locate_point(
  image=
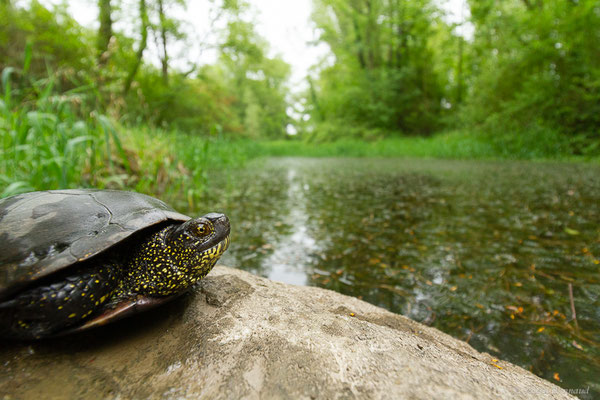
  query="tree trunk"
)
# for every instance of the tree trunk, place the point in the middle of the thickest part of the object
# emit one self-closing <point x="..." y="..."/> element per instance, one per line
<point x="105" y="31"/>
<point x="315" y="99"/>
<point x="142" y="46"/>
<point x="163" y="36"/>
<point x="359" y="43"/>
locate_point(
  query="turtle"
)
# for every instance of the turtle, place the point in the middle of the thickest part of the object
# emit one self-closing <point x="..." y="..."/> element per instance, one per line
<point x="74" y="259"/>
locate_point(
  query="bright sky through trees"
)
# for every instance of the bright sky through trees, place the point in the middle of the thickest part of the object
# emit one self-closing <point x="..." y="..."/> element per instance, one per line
<point x="285" y="25"/>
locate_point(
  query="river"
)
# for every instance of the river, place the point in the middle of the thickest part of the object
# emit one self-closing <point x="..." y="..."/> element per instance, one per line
<point x="488" y="252"/>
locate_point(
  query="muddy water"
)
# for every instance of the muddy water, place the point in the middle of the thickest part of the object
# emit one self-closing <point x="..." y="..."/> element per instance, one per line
<point x="485" y="251"/>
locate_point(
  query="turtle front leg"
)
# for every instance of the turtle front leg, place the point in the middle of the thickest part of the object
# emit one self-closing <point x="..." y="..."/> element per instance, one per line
<point x="59" y="302"/>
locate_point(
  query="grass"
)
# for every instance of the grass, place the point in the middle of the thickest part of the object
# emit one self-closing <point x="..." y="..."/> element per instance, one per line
<point x="542" y="145"/>
<point x="52" y="141"/>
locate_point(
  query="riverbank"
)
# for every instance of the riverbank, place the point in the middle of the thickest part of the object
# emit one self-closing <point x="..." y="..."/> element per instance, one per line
<point x="47" y="149"/>
<point x="460" y="145"/>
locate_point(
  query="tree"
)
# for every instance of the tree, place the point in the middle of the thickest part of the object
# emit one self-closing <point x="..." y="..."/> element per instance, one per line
<point x="105" y="30"/>
<point x="144" y="25"/>
<point x="537" y="67"/>
<point x="384" y="78"/>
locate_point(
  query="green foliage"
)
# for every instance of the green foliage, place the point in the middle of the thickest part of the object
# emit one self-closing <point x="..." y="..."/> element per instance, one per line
<point x="526" y="86"/>
<point x="46" y="145"/>
<point x="541" y="145"/>
<point x="244" y="94"/>
<point x="384" y="75"/>
<point x="259" y="80"/>
<point x="58" y="41"/>
<point x="536" y="66"/>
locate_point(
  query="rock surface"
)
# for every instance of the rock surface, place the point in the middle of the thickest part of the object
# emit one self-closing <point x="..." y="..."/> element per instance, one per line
<point x="241" y="336"/>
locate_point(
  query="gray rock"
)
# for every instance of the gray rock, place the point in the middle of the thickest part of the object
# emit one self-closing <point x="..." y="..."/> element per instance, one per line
<point x="241" y="336"/>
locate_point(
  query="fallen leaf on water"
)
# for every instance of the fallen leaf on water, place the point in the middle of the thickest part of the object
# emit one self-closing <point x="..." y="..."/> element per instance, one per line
<point x="556" y="377"/>
<point x="571" y="231"/>
<point x="577" y="345"/>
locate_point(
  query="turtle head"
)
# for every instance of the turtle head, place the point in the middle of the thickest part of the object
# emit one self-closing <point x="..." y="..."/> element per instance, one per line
<point x="177" y="256"/>
<point x="207" y="236"/>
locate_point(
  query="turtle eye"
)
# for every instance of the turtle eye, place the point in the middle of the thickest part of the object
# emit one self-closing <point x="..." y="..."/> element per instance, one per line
<point x="203" y="230"/>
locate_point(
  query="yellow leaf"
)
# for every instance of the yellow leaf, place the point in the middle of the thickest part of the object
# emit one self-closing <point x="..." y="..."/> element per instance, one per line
<point x="541" y="329"/>
<point x="556" y="377"/>
<point x="512" y="316"/>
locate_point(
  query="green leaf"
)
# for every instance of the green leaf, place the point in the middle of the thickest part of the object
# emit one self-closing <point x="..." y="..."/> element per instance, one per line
<point x="571" y="231"/>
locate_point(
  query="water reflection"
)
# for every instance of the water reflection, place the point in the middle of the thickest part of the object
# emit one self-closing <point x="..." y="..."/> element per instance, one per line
<point x="484" y="251"/>
<point x="288" y="262"/>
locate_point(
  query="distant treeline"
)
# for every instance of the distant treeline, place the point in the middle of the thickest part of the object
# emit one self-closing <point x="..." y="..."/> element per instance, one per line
<point x="529" y="73"/>
<point x="242" y="94"/>
<point x="531" y="68"/>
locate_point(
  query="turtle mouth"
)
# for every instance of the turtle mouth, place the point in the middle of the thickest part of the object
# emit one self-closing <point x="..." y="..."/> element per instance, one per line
<point x="218" y="249"/>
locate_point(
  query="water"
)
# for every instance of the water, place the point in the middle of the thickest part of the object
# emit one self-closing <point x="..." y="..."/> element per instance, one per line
<point x="485" y="251"/>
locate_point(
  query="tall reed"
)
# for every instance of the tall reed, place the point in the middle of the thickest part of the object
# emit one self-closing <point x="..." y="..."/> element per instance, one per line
<point x="47" y="142"/>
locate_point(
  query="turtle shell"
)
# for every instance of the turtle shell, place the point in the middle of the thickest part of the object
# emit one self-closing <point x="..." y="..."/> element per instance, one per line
<point x="44" y="232"/>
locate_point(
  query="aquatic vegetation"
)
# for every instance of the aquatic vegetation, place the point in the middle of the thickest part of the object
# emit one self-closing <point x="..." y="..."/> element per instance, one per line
<point x="485" y="251"/>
